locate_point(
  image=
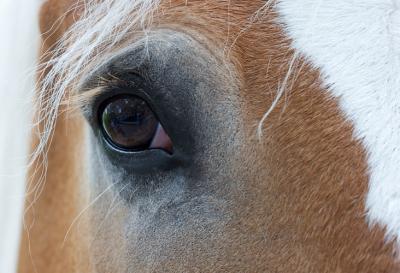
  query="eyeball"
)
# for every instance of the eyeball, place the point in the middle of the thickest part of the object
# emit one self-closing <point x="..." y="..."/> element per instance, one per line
<point x="128" y="123"/>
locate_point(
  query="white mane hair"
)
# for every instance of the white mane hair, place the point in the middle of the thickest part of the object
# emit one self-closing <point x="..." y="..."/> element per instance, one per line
<point x="101" y="26"/>
<point x="18" y="55"/>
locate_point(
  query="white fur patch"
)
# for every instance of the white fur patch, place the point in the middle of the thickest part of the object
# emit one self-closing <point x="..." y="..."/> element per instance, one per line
<point x="356" y="46"/>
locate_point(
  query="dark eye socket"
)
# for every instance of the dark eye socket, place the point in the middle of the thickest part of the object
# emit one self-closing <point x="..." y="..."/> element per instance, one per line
<point x="130" y="124"/>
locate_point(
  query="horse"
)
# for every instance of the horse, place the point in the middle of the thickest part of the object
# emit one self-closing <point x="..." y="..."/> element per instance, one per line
<point x="215" y="136"/>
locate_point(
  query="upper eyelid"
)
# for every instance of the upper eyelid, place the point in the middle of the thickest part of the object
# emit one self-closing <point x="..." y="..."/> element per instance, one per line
<point x="108" y="81"/>
<point x="90" y="100"/>
<point x="82" y="100"/>
<point x="96" y="86"/>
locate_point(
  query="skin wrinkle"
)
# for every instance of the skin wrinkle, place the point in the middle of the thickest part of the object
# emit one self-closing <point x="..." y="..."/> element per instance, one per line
<point x="294" y="201"/>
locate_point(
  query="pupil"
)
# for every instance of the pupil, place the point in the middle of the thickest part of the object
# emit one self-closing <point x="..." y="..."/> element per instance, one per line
<point x="129" y="123"/>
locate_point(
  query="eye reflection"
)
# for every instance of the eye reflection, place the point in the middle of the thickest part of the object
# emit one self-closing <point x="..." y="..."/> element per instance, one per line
<point x="129" y="123"/>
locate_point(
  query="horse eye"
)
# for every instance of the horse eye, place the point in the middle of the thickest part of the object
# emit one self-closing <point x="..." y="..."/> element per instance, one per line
<point x="129" y="124"/>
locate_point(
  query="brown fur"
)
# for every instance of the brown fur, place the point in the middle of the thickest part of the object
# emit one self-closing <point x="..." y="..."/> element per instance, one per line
<point x="308" y="171"/>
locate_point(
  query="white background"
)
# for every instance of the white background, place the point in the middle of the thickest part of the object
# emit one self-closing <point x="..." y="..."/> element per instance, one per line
<point x="18" y="52"/>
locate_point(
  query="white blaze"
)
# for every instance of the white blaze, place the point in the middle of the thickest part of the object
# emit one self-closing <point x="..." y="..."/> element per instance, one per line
<point x="18" y="53"/>
<point x="356" y="45"/>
